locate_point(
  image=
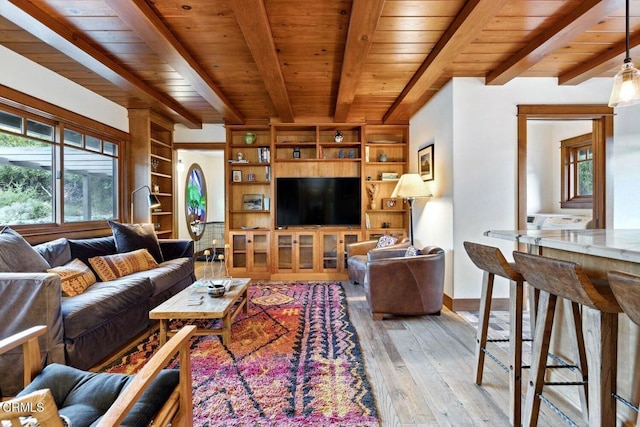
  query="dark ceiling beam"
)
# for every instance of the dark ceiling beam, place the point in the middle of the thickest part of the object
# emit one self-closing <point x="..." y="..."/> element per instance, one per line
<point x="365" y="15"/>
<point x="33" y="20"/>
<point x="471" y="20"/>
<point x="254" y="23"/>
<point x="143" y="20"/>
<point x="583" y="17"/>
<point x="599" y="64"/>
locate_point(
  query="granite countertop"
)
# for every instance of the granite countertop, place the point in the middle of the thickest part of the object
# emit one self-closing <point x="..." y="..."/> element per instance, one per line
<point x="615" y="244"/>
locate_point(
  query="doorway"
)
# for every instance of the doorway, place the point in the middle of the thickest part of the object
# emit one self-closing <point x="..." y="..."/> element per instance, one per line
<point x="211" y="162"/>
<point x="601" y="118"/>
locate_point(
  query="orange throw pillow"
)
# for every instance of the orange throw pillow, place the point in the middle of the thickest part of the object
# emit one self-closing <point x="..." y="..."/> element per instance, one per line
<point x="75" y="276"/>
<point x="111" y="267"/>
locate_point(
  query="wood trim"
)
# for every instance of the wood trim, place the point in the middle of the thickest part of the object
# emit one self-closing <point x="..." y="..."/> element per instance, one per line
<point x="473" y="304"/>
<point x="602" y="117"/>
<point x="38" y="107"/>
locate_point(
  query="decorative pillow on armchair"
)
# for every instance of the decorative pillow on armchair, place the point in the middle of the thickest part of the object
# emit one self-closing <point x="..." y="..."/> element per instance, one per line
<point x="386" y="240"/>
<point x="130" y="237"/>
<point x="412" y="251"/>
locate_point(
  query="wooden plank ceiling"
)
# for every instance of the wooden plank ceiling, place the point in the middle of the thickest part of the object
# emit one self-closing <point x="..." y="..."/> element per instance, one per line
<point x="255" y="61"/>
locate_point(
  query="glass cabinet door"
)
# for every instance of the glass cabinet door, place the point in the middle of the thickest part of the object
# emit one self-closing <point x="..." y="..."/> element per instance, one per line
<point x="305" y="252"/>
<point x="347" y="239"/>
<point x="260" y="251"/>
<point x="284" y="251"/>
<point x="239" y="251"/>
<point x="330" y="251"/>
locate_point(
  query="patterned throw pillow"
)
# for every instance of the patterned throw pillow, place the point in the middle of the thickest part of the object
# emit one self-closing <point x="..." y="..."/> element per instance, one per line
<point x="76" y="277"/>
<point x="386" y="240"/>
<point x="412" y="251"/>
<point x="111" y="267"/>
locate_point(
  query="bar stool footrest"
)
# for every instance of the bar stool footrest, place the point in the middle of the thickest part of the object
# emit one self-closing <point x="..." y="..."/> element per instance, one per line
<point x="495" y="359"/>
<point x="556" y="410"/>
<point x="625" y="402"/>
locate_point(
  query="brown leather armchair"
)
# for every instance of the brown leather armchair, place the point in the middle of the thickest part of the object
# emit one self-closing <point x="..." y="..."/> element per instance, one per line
<point x="357" y="257"/>
<point x="406" y="285"/>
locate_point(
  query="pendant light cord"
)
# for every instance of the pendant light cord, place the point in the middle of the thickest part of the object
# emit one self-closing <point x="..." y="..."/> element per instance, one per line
<point x="628" y="58"/>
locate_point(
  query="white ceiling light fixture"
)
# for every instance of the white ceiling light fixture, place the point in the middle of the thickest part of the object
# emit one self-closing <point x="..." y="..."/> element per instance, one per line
<point x="626" y="84"/>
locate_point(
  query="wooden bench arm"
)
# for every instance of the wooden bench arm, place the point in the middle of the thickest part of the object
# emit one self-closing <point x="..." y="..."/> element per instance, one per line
<point x="28" y="339"/>
<point x="180" y="342"/>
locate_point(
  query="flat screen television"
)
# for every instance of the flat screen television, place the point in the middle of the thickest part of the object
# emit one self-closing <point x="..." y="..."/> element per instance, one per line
<point x="318" y="201"/>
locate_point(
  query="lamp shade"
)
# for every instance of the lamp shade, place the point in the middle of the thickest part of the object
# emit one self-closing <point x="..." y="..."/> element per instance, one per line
<point x="410" y="186"/>
<point x="626" y="86"/>
<point x="154" y="202"/>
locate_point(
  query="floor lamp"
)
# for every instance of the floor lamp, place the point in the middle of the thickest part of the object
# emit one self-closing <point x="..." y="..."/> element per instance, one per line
<point x="152" y="200"/>
<point x="410" y="187"/>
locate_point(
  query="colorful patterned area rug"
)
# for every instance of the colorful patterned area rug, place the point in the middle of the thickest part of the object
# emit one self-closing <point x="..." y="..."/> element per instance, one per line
<point x="293" y="360"/>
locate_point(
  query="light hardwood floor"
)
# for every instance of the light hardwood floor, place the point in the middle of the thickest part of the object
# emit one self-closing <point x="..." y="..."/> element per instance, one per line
<point x="422" y="370"/>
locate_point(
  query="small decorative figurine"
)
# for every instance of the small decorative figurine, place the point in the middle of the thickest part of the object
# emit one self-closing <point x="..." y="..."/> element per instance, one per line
<point x="338" y="137"/>
<point x="352" y="153"/>
<point x="240" y="157"/>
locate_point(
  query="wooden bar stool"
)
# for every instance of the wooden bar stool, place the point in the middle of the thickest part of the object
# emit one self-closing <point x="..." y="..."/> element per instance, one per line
<point x="493" y="263"/>
<point x="556" y="278"/>
<point x="626" y="289"/>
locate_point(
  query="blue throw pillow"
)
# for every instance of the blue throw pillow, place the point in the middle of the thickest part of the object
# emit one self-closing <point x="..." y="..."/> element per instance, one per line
<point x="131" y="237"/>
<point x="18" y="256"/>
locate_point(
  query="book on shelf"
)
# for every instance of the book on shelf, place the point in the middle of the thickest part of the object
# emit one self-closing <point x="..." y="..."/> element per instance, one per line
<point x="264" y="154"/>
<point x="267" y="173"/>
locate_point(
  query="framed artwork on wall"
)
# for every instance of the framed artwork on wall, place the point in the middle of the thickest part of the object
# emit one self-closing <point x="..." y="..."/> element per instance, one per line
<point x="252" y="202"/>
<point x="425" y="162"/>
<point x="236" y="175"/>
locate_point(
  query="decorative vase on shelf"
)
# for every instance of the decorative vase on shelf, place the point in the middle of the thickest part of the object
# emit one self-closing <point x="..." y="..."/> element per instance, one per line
<point x="383" y="157"/>
<point x="250" y="138"/>
<point x="373" y="205"/>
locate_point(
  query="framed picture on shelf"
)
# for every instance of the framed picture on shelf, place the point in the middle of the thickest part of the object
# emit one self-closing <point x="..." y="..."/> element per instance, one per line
<point x="252" y="202"/>
<point x="236" y="176"/>
<point x="425" y="162"/>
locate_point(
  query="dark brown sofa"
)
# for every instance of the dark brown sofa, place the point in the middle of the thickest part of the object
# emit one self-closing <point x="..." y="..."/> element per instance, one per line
<point x="405" y="285"/>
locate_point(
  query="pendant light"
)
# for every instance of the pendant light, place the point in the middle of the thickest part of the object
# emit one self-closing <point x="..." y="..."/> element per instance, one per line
<point x="626" y="84"/>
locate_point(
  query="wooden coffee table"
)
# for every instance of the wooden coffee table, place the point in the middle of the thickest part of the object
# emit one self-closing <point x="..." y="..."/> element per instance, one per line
<point x="194" y="303"/>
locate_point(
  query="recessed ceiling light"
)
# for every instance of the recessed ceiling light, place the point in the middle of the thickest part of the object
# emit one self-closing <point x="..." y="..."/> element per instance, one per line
<point x="186" y="7"/>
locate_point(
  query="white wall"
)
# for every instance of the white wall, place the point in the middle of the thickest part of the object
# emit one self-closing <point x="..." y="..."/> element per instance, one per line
<point x="544" y="164"/>
<point x="209" y="133"/>
<point x="483" y="162"/>
<point x="626" y="167"/>
<point x="24" y="75"/>
<point x="433" y="218"/>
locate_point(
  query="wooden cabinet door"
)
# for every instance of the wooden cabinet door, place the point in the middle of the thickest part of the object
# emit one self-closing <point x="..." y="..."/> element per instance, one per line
<point x="249" y="252"/>
<point x="333" y="249"/>
<point x="295" y="252"/>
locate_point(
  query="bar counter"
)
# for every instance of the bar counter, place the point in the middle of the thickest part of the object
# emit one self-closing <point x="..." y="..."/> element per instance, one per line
<point x="597" y="252"/>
